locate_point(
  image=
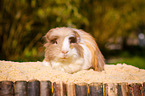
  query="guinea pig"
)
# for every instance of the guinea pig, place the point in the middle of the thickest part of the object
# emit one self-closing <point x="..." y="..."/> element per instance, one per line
<point x="71" y="50"/>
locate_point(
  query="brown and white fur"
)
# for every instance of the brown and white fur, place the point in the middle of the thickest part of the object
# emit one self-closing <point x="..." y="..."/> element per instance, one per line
<point x="71" y="50"/>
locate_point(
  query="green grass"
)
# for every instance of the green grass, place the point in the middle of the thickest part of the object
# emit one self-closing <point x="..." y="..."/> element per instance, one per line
<point x="136" y="61"/>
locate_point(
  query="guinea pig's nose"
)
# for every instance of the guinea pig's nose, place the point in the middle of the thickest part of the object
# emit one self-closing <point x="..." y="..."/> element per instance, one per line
<point x="64" y="51"/>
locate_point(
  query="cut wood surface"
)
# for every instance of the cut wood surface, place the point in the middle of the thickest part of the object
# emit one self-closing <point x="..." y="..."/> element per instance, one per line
<point x="25" y="71"/>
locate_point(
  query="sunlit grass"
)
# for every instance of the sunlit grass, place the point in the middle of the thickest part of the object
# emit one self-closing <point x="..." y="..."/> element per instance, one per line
<point x="136" y="61"/>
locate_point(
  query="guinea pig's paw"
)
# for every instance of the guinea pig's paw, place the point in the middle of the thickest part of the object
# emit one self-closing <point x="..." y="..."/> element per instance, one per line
<point x="44" y="63"/>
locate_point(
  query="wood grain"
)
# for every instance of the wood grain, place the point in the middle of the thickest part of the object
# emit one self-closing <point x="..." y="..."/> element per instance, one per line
<point x="96" y="89"/>
<point x="34" y="88"/>
<point x="45" y="88"/>
<point x="81" y="89"/>
<point x="6" y="88"/>
<point x="20" y="88"/>
<point x="59" y="89"/>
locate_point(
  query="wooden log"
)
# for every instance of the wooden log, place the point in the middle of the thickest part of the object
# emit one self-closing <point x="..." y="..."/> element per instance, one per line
<point x="70" y="89"/>
<point x="59" y="89"/>
<point x="20" y="88"/>
<point x="6" y="88"/>
<point x="105" y="89"/>
<point x="112" y="89"/>
<point x="135" y="89"/>
<point x="130" y="90"/>
<point x="81" y="89"/>
<point x="45" y="88"/>
<point x="34" y="88"/>
<point x="96" y="89"/>
<point x="143" y="89"/>
<point x="119" y="90"/>
<point x="123" y="89"/>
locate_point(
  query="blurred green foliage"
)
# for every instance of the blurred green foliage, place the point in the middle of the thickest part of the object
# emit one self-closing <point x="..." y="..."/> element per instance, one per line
<point x="137" y="61"/>
<point x="132" y="55"/>
<point x="23" y="23"/>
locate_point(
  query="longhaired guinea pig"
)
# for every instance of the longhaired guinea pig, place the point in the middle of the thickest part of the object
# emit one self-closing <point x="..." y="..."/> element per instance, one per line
<point x="71" y="50"/>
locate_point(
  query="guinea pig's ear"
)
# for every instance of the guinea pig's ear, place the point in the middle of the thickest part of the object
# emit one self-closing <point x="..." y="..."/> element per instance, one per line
<point x="77" y="36"/>
<point x="47" y="35"/>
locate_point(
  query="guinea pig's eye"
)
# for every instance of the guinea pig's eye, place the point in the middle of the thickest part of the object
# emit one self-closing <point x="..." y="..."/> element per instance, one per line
<point x="73" y="40"/>
<point x="54" y="41"/>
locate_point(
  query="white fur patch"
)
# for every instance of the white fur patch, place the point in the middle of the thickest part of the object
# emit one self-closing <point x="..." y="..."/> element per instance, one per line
<point x="46" y="63"/>
<point x="66" y="44"/>
<point x="87" y="53"/>
<point x="87" y="57"/>
<point x="68" y="67"/>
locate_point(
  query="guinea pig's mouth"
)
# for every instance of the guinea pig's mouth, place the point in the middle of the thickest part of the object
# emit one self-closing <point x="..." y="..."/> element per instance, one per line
<point x="64" y="58"/>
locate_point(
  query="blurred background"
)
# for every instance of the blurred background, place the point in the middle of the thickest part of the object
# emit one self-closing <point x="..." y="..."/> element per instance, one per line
<point x="117" y="25"/>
